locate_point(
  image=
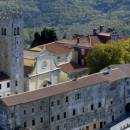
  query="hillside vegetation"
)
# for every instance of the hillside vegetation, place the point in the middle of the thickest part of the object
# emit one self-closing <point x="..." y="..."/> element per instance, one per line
<point x="72" y="16"/>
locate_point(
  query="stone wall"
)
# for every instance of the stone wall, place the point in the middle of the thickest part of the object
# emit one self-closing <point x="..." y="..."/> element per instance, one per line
<point x="90" y="107"/>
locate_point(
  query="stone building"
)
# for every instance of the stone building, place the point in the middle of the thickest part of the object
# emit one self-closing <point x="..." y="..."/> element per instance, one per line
<point x="11" y="44"/>
<point x="88" y="103"/>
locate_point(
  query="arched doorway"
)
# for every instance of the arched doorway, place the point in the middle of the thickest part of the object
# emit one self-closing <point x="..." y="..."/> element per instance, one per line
<point x="127" y="108"/>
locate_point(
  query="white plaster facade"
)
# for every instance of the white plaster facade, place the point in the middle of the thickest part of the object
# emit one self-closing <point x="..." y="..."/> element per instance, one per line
<point x="5" y="88"/>
<point x="44" y="69"/>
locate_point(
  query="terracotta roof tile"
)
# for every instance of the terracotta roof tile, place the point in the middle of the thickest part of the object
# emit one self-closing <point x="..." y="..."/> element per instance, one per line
<point x="71" y="68"/>
<point x="84" y="42"/>
<point x="56" y="48"/>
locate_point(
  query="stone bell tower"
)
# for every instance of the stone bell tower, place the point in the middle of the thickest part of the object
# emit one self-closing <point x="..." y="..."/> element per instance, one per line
<point x="11" y="48"/>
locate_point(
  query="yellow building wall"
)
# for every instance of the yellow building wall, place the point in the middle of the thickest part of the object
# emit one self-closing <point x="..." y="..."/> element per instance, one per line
<point x="64" y="77"/>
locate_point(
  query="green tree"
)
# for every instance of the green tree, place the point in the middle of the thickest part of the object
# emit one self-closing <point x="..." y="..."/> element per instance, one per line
<point x="37" y="40"/>
<point x="102" y="56"/>
<point x="47" y="35"/>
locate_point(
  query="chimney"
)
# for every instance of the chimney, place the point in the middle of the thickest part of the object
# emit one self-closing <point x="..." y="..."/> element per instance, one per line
<point x="101" y="28"/>
<point x="78" y="40"/>
<point x="95" y="32"/>
<point x="89" y="39"/>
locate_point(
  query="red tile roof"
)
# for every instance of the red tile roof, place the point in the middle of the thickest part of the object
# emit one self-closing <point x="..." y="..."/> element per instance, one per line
<point x="71" y="68"/>
<point x="56" y="48"/>
<point x="84" y="42"/>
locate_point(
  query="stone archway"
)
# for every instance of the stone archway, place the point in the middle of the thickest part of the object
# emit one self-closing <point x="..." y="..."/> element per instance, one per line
<point x="127" y="107"/>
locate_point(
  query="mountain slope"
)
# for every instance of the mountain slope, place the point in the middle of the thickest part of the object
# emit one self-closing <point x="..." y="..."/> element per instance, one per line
<point x="74" y="16"/>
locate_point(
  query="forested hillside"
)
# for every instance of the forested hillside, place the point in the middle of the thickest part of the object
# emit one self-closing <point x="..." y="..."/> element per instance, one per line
<point x="73" y="16"/>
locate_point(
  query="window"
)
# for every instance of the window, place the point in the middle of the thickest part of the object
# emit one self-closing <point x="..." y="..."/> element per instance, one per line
<point x="77" y="96"/>
<point x="92" y="107"/>
<point x="25" y="124"/>
<point x="99" y="105"/>
<point x="12" y="115"/>
<point x="52" y="103"/>
<point x="41" y="120"/>
<point x="111" y="102"/>
<point x="33" y="122"/>
<point x="32" y="110"/>
<point x="58" y="57"/>
<point x="16" y="83"/>
<point x="58" y="102"/>
<point x="15" y="31"/>
<point x="101" y="125"/>
<point x="127" y="83"/>
<point x="0" y="86"/>
<point x="1" y="31"/>
<point x="66" y="99"/>
<point x="5" y="33"/>
<point x="113" y="118"/>
<point x="58" y="117"/>
<point x="24" y="112"/>
<point x="94" y="126"/>
<point x="57" y="127"/>
<point x="18" y="31"/>
<point x="52" y="118"/>
<point x="87" y="127"/>
<point x="65" y="126"/>
<point x="74" y="112"/>
<point x="8" y="85"/>
<point x="41" y="108"/>
<point x="128" y="91"/>
<point x="83" y="109"/>
<point x="64" y="114"/>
